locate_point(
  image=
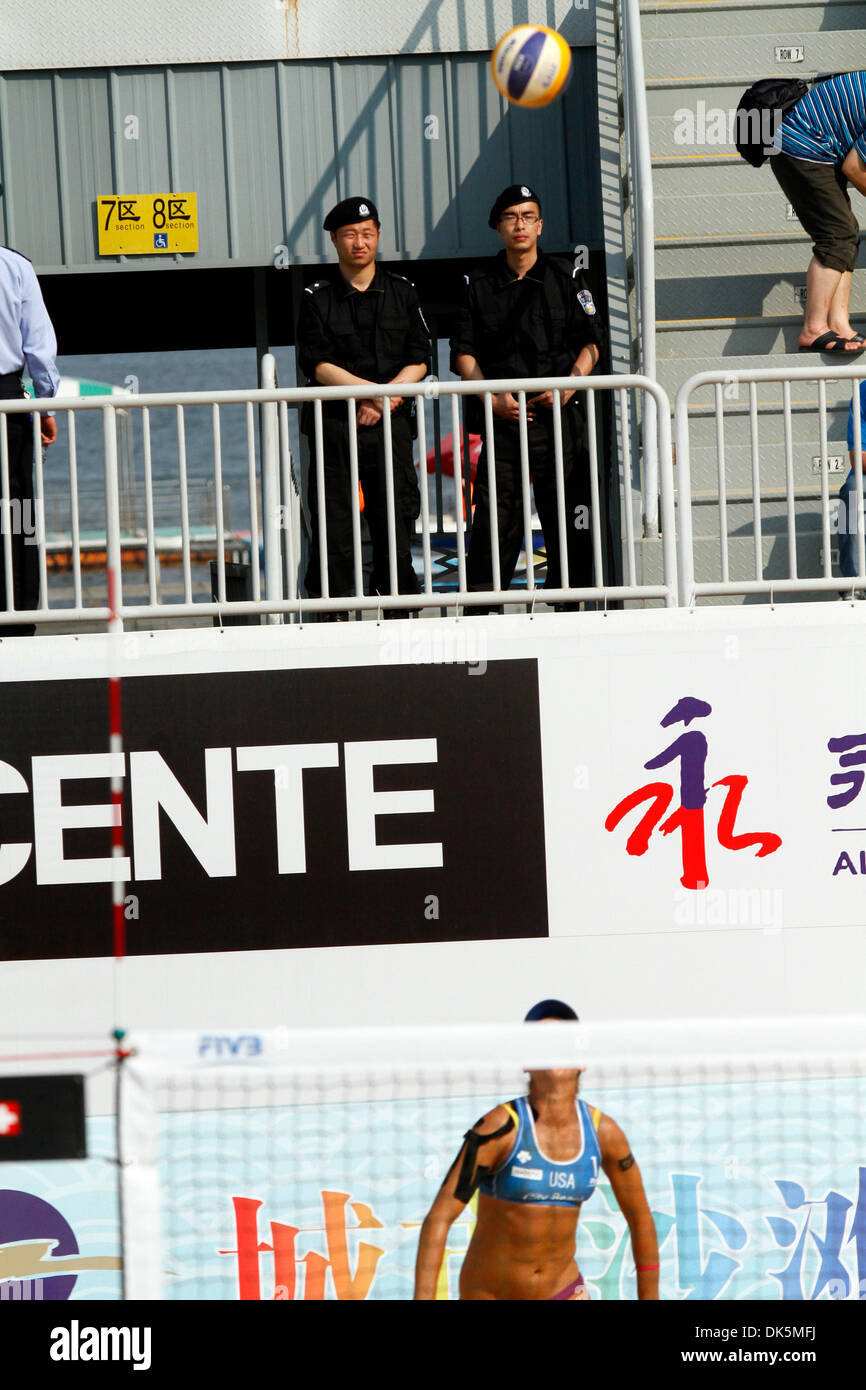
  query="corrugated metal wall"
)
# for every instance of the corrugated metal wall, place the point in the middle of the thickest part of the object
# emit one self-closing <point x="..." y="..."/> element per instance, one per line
<point x="269" y="147"/>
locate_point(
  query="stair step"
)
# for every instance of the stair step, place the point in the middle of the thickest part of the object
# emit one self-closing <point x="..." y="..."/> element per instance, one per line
<point x="673" y="371"/>
<point x="703" y="467"/>
<point x="765" y="256"/>
<point x="703" y="212"/>
<point x="714" y="174"/>
<point x="731" y="297"/>
<point x="775" y="562"/>
<point x="745" y="17"/>
<point x="740" y="338"/>
<point x="709" y="57"/>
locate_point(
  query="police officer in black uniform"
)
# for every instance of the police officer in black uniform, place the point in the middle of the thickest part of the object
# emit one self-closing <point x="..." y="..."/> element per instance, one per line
<point x="365" y="325"/>
<point x="531" y="315"/>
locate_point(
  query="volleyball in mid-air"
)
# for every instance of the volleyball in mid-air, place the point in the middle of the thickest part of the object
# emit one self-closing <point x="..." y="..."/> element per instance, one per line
<point x="531" y="65"/>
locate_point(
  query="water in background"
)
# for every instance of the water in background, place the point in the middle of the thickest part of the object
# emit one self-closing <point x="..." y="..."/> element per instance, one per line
<point x="147" y="372"/>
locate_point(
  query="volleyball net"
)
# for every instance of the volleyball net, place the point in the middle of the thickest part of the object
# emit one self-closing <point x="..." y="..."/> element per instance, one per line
<point x="299" y="1165"/>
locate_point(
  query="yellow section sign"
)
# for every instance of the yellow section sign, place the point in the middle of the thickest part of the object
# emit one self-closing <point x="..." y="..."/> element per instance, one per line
<point x="147" y="224"/>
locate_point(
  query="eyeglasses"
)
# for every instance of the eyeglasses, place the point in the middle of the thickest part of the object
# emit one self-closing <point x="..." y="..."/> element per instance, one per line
<point x="511" y="219"/>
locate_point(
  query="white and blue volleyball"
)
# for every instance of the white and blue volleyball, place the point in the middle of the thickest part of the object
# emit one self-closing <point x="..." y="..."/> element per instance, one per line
<point x="531" y="65"/>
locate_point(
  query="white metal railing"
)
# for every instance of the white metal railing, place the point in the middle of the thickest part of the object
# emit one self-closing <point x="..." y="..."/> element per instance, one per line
<point x="277" y="537"/>
<point x="725" y="384"/>
<point x="642" y="212"/>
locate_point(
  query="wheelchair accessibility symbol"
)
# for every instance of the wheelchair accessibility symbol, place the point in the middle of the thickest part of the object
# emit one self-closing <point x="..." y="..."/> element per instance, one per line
<point x="160" y="241"/>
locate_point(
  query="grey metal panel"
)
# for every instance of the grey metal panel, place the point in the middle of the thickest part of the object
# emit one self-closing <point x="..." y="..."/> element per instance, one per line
<point x="747" y="17"/>
<point x="253" y="187"/>
<point x="82" y="107"/>
<point x="269" y="147"/>
<point x="155" y="32"/>
<point x="31" y="193"/>
<point x="141" y="141"/>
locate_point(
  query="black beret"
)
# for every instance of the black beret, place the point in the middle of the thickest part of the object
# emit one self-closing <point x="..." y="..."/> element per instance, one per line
<point x="349" y="211"/>
<point x="517" y="193"/>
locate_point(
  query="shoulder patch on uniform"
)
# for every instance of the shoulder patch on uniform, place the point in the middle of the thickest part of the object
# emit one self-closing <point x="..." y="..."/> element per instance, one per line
<point x="584" y="299"/>
<point x="317" y="285"/>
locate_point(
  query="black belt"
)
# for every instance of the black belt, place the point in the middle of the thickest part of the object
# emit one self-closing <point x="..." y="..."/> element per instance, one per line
<point x="11" y="386"/>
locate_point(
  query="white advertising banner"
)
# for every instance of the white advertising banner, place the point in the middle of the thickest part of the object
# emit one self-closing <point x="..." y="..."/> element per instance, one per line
<point x="656" y="811"/>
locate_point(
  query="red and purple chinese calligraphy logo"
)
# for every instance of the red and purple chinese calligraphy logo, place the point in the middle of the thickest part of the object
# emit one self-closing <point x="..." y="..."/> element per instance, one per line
<point x="689" y="816"/>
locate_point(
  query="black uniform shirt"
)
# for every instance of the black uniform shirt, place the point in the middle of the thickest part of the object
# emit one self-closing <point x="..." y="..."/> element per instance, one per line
<point x="372" y="333"/>
<point x="534" y="326"/>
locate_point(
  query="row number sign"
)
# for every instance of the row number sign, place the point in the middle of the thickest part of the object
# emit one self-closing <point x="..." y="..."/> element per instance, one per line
<point x="147" y="224"/>
<point x="795" y="54"/>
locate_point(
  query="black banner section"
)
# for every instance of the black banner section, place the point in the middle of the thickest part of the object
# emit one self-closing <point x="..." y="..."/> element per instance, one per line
<point x="321" y="807"/>
<point x="660" y="1343"/>
<point x="42" y="1117"/>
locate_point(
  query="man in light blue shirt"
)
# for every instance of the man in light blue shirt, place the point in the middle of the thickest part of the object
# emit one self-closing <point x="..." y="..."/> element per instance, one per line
<point x="26" y="340"/>
<point x="821" y="147"/>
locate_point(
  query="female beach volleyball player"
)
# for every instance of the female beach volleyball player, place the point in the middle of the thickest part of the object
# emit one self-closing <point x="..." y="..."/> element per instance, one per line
<point x="535" y="1161"/>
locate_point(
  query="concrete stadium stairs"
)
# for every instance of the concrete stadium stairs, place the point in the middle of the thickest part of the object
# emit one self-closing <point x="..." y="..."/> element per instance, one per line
<point x="731" y="263"/>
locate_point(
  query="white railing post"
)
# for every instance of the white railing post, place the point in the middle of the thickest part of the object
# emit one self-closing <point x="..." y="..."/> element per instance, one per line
<point x="271" y="489"/>
<point x="113" y="552"/>
<point x="684" y="496"/>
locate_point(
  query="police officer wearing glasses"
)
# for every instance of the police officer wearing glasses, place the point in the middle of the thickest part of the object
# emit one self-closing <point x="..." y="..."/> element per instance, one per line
<point x="364" y="325"/>
<point x="531" y="315"/>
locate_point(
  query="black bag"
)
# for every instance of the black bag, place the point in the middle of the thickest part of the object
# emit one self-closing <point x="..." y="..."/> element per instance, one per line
<point x="760" y="113"/>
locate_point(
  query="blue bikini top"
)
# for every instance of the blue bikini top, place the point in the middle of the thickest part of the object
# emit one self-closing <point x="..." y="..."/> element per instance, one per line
<point x="528" y="1175"/>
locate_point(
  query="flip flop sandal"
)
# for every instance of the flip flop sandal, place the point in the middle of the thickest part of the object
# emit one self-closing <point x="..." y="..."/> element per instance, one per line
<point x="834" y="344"/>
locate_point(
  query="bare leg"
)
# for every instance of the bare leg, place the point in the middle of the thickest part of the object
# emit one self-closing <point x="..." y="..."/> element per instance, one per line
<point x="827" y="294"/>
<point x="838" y="314"/>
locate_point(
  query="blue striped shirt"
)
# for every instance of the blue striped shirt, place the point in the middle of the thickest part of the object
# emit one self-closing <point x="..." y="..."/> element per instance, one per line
<point x="827" y="122"/>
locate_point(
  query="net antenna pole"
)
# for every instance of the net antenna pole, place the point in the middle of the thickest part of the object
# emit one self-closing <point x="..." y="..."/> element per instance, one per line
<point x="115" y="719"/>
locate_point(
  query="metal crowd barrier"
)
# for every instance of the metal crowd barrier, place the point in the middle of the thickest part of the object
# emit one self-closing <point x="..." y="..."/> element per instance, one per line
<point x="275" y="533"/>
<point x="726" y="384"/>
